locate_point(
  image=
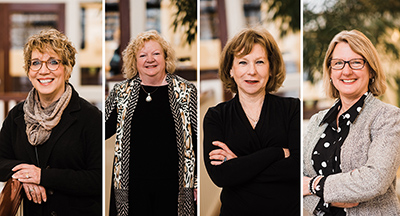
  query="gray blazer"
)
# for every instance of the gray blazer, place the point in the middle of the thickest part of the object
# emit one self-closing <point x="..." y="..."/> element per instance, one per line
<point x="370" y="156"/>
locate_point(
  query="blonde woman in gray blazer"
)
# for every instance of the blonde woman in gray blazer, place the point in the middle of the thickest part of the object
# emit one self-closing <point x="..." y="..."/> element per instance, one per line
<point x="352" y="151"/>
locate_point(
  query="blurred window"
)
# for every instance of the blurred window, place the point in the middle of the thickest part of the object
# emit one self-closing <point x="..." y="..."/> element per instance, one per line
<point x="18" y="22"/>
<point x="153" y="13"/>
<point x="90" y="53"/>
<point x="209" y="22"/>
<point x="252" y="12"/>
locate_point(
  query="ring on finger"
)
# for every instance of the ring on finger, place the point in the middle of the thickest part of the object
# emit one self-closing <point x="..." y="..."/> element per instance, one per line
<point x="224" y="159"/>
<point x="27" y="175"/>
<point x="31" y="190"/>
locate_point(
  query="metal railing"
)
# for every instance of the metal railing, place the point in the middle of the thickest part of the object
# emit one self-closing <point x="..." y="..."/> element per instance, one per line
<point x="8" y="101"/>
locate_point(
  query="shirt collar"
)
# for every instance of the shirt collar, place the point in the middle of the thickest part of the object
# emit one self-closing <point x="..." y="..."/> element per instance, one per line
<point x="350" y="114"/>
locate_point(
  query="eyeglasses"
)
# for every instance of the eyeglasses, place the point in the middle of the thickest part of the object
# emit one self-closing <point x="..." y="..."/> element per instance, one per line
<point x="51" y="64"/>
<point x="355" y="64"/>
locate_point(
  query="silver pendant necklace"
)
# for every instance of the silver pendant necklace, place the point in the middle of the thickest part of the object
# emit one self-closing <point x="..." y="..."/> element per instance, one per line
<point x="148" y="98"/>
<point x="252" y="119"/>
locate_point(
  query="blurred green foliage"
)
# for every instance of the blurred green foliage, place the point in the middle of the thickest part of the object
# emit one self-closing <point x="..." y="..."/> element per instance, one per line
<point x="288" y="11"/>
<point x="186" y="18"/>
<point x="377" y="19"/>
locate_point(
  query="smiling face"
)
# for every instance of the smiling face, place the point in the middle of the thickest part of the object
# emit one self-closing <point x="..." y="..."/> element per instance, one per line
<point x="49" y="84"/>
<point x="151" y="62"/>
<point x="251" y="72"/>
<point x="350" y="83"/>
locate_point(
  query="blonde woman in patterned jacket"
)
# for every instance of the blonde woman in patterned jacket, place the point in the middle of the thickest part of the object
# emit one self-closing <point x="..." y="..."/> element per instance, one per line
<point x="352" y="151"/>
<point x="153" y="114"/>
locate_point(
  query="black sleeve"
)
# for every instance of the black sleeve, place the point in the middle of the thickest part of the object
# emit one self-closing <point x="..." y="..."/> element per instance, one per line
<point x="111" y="124"/>
<point x="110" y="113"/>
<point x="287" y="169"/>
<point x="7" y="155"/>
<point x="239" y="170"/>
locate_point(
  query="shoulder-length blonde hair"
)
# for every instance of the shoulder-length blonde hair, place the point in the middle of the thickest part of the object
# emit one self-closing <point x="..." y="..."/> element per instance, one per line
<point x="361" y="45"/>
<point x="129" y="66"/>
<point x="51" y="40"/>
<point x="241" y="45"/>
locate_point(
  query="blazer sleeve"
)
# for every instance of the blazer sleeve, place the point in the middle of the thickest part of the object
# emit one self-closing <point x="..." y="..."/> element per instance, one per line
<point x="193" y="118"/>
<point x="87" y="180"/>
<point x="238" y="170"/>
<point x="7" y="155"/>
<point x="309" y="202"/>
<point x="375" y="177"/>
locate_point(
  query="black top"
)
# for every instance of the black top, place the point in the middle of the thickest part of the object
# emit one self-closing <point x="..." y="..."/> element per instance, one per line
<point x="326" y="154"/>
<point x="153" y="150"/>
<point x="154" y="153"/>
<point x="260" y="181"/>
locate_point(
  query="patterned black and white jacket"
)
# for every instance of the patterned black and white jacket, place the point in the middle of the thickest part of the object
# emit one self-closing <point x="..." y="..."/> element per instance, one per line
<point x="183" y="102"/>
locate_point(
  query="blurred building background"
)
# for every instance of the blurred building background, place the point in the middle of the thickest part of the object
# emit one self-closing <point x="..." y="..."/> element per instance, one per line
<point x="176" y="20"/>
<point x="220" y="20"/>
<point x="323" y="19"/>
<point x="124" y="19"/>
<point x="79" y="20"/>
<point x="378" y="20"/>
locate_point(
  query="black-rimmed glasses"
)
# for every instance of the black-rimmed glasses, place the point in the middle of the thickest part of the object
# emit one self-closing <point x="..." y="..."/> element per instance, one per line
<point x="355" y="64"/>
<point x="51" y="64"/>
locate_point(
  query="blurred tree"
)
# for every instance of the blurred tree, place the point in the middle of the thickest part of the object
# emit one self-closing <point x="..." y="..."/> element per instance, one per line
<point x="396" y="85"/>
<point x="186" y="18"/>
<point x="288" y="11"/>
<point x="377" y="19"/>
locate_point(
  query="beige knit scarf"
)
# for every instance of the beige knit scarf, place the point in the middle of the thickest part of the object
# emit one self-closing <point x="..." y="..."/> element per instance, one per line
<point x="40" y="121"/>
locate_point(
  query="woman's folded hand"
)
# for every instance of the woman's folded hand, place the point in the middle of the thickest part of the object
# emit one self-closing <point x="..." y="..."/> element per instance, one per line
<point x="27" y="173"/>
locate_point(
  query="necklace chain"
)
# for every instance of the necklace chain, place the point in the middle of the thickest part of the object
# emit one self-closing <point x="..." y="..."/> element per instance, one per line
<point x="252" y="119"/>
<point x="148" y="98"/>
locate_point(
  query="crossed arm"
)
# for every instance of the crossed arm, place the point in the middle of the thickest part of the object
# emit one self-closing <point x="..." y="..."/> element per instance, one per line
<point x="263" y="165"/>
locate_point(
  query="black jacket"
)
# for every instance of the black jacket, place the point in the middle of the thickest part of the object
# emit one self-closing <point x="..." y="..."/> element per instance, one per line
<point x="71" y="160"/>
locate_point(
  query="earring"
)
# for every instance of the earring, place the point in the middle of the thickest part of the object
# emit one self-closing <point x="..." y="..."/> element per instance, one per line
<point x="330" y="80"/>
<point x="372" y="80"/>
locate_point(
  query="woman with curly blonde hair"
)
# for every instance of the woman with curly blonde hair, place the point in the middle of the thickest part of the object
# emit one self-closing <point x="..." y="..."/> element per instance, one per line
<point x="153" y="114"/>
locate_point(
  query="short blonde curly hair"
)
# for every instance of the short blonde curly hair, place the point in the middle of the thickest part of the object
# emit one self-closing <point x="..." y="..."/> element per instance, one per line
<point x="361" y="45"/>
<point x="241" y="45"/>
<point x="129" y="66"/>
<point x="51" y="40"/>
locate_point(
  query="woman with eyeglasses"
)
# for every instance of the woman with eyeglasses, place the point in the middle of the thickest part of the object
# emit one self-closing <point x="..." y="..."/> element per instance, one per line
<point x="52" y="142"/>
<point x="352" y="150"/>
